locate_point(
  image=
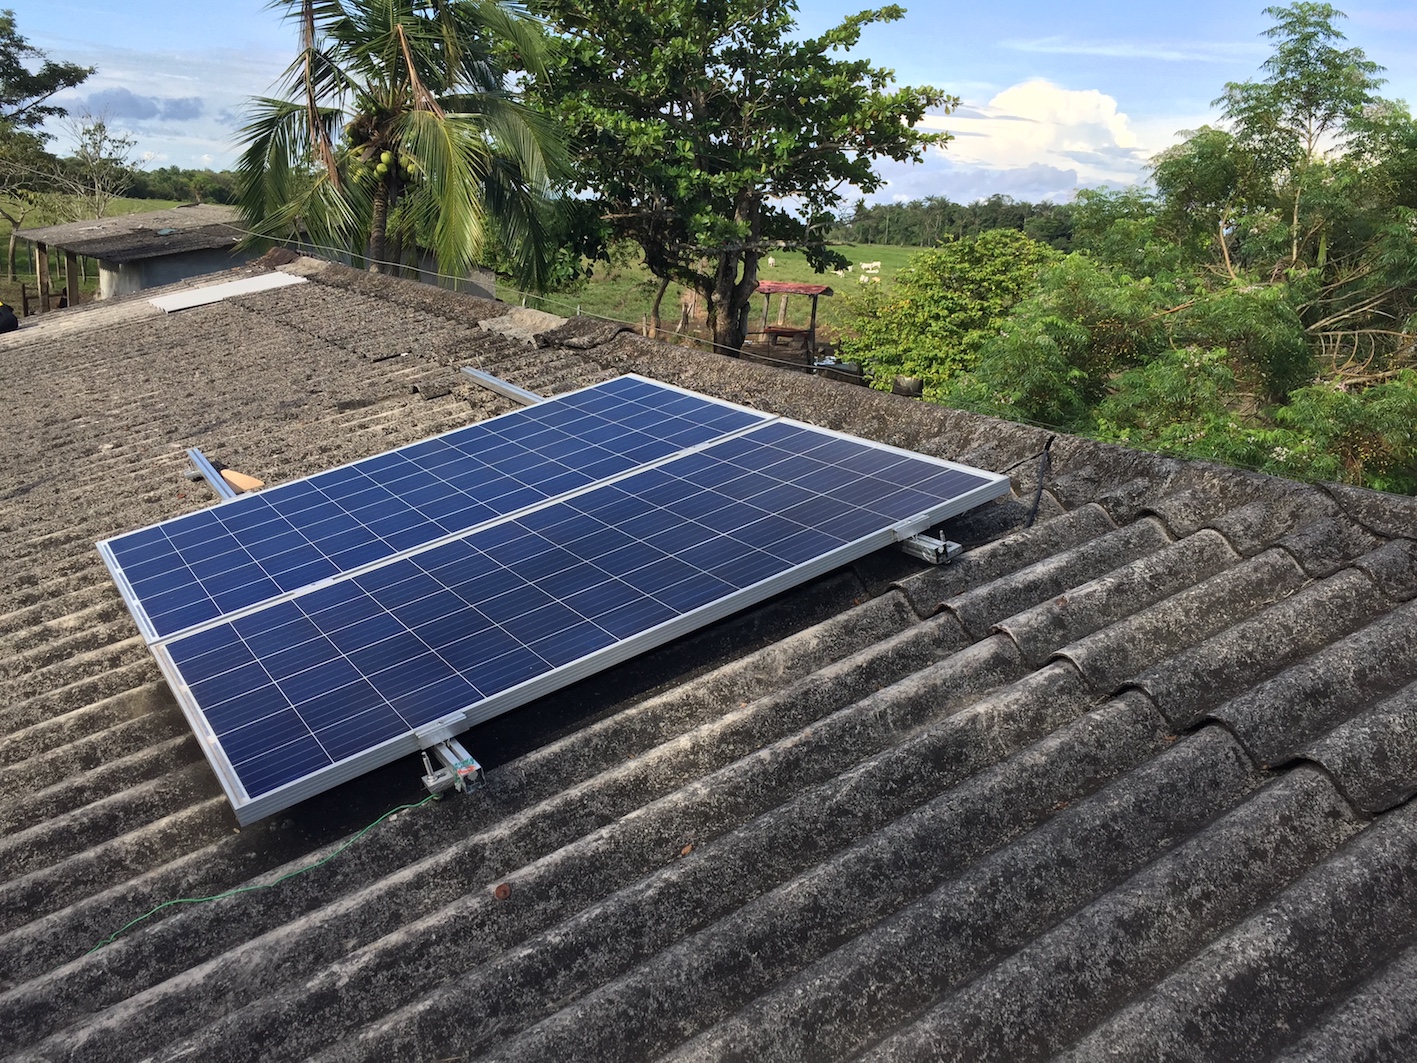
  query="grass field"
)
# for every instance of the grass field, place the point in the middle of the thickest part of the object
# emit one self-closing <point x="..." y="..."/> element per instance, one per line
<point x="626" y="293"/>
<point x="24" y="257"/>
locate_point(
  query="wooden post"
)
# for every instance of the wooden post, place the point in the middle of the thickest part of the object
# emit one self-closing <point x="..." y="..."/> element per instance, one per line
<point x="41" y="269"/>
<point x="782" y="310"/>
<point x="71" y="278"/>
<point x="812" y="331"/>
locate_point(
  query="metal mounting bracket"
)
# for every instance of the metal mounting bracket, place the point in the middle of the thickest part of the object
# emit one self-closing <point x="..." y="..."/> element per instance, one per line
<point x="931" y="549"/>
<point x="460" y="769"/>
<point x="504" y="388"/>
<point x="203" y="469"/>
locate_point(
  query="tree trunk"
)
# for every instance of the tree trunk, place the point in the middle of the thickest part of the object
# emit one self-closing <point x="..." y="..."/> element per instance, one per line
<point x="15" y="220"/>
<point x="733" y="301"/>
<point x="733" y="296"/>
<point x="654" y="311"/>
<point x="378" y="228"/>
<point x="394" y="244"/>
<point x="41" y="275"/>
<point x="723" y="316"/>
<point x="1225" y="249"/>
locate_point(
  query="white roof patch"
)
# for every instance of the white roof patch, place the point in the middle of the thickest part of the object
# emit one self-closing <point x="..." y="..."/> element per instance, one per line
<point x="213" y="293"/>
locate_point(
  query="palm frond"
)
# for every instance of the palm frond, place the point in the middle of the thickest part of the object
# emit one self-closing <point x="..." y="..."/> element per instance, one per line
<point x="423" y="80"/>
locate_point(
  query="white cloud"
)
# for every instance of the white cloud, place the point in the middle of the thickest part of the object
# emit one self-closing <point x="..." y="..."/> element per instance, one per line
<point x="1034" y="141"/>
<point x="940" y="176"/>
<point x="1170" y="51"/>
<point x="1039" y="123"/>
<point x="180" y="107"/>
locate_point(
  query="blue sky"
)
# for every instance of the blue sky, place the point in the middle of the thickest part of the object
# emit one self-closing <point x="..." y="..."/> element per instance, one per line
<point x="1055" y="97"/>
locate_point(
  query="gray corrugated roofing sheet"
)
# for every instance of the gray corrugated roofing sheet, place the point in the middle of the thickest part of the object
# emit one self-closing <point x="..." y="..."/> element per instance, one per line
<point x="1132" y="783"/>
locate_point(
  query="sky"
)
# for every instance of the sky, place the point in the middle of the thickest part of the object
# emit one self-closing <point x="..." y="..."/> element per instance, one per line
<point x="1053" y="97"/>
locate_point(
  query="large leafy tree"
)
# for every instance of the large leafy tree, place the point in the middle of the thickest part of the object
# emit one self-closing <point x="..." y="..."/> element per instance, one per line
<point x="1322" y="204"/>
<point x="1259" y="307"/>
<point x="1207" y="183"/>
<point x="397" y="131"/>
<point x="1313" y="94"/>
<point x="26" y="93"/>
<point x="29" y="80"/>
<point x="944" y="306"/>
<point x="704" y="131"/>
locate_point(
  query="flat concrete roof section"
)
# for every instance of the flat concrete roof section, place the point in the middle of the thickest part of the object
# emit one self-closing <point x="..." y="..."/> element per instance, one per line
<point x="150" y="234"/>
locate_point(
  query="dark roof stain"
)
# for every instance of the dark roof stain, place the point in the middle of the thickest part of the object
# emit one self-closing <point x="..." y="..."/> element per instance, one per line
<point x="1133" y="782"/>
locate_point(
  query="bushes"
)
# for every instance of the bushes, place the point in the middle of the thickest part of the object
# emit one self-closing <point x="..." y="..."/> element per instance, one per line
<point x="951" y="300"/>
<point x="1007" y="327"/>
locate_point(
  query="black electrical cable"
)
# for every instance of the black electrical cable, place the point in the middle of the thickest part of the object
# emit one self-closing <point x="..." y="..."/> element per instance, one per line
<point x="1044" y="465"/>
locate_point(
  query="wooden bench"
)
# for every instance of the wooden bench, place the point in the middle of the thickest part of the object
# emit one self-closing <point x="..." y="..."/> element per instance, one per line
<point x="774" y="333"/>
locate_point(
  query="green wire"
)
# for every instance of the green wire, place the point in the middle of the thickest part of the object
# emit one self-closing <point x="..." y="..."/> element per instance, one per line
<point x="263" y="886"/>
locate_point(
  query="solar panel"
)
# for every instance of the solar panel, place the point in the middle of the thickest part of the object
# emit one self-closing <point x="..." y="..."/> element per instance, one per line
<point x="201" y="566"/>
<point x="319" y="682"/>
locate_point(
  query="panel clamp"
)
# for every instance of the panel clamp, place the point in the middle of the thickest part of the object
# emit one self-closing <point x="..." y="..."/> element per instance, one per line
<point x="460" y="769"/>
<point x="931" y="549"/>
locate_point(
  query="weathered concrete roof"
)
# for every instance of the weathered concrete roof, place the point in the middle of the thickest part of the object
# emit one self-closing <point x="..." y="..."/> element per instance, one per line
<point x="1132" y="783"/>
<point x="150" y="234"/>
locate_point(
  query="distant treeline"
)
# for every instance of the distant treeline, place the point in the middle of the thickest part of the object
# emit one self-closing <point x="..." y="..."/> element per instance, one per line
<point x="185" y="186"/>
<point x="925" y="222"/>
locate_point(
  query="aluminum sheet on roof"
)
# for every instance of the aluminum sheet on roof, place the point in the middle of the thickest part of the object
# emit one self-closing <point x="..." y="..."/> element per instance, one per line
<point x="313" y="686"/>
<point x="215" y="293"/>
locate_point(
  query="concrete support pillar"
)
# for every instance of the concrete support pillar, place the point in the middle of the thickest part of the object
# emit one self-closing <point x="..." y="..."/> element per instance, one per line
<point x="71" y="278"/>
<point x="41" y="269"/>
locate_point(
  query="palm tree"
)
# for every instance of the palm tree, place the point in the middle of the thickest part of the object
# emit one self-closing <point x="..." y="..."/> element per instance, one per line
<point x="396" y="129"/>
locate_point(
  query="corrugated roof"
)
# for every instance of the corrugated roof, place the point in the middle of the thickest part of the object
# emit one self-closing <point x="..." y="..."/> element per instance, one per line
<point x="1131" y="783"/>
<point x="148" y="234"/>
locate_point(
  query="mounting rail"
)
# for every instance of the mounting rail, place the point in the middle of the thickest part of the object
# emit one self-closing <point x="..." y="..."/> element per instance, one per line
<point x="502" y="387"/>
<point x="205" y="470"/>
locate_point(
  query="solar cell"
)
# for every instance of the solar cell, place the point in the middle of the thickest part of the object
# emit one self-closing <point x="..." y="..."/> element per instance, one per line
<point x="333" y="676"/>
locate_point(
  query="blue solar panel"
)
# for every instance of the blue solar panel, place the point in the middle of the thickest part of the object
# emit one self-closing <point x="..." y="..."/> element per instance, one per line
<point x="196" y="568"/>
<point x="320" y="684"/>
